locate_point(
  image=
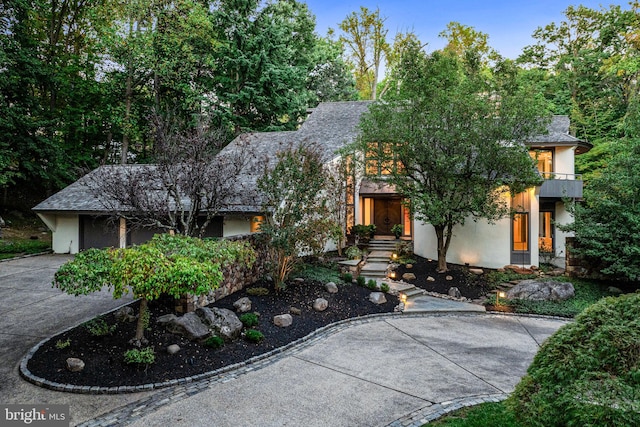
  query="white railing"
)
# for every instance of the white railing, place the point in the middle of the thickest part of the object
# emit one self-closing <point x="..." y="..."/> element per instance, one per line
<point x="564" y="176"/>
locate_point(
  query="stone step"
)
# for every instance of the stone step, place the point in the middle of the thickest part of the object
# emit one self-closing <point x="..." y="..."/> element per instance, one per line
<point x="412" y="293"/>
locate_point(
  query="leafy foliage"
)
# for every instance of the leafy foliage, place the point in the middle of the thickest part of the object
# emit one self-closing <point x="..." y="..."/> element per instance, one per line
<point x="214" y="342"/>
<point x="482" y="415"/>
<point x="455" y="151"/>
<point x="166" y="265"/>
<point x="587" y="372"/>
<point x="249" y="320"/>
<point x="144" y="356"/>
<point x="254" y="335"/>
<point x="299" y="221"/>
<point x="607" y="225"/>
<point x="98" y="327"/>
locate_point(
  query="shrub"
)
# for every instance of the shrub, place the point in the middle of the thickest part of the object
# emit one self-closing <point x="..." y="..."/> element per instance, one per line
<point x="214" y="342"/>
<point x="353" y="252"/>
<point x="384" y="288"/>
<point x="361" y="280"/>
<point x="249" y="320"/>
<point x="144" y="356"/>
<point x="372" y="284"/>
<point x="254" y="335"/>
<point x="587" y="373"/>
<point x="347" y="278"/>
<point x="318" y="273"/>
<point x="257" y="291"/>
<point x="61" y="345"/>
<point x="99" y="328"/>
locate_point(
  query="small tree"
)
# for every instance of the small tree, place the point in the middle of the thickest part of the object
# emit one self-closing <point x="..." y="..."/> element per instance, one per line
<point x="298" y="220"/>
<point x="607" y="224"/>
<point x="167" y="265"/>
<point x="452" y="139"/>
<point x="191" y="181"/>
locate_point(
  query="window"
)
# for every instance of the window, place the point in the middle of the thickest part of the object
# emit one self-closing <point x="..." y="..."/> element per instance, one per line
<point x="382" y="159"/>
<point x="521" y="231"/>
<point x="544" y="160"/>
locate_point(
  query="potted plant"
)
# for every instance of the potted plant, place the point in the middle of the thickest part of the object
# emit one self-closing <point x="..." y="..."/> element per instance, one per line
<point x="397" y="230"/>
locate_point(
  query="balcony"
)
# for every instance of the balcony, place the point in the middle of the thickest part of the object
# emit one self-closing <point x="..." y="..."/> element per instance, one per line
<point x="561" y="185"/>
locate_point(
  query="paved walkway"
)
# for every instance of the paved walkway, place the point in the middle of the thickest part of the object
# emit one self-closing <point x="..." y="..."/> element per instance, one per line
<point x="391" y="370"/>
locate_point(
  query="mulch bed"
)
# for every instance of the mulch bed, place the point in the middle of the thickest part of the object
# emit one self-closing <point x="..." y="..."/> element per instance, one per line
<point x="470" y="285"/>
<point x="104" y="356"/>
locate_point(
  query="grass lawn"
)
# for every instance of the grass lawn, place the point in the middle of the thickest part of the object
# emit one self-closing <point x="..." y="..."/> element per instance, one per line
<point x="483" y="415"/>
<point x="23" y="236"/>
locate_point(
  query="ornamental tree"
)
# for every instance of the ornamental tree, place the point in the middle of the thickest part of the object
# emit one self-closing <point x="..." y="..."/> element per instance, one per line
<point x="298" y="220"/>
<point x="451" y="139"/>
<point x="166" y="265"/>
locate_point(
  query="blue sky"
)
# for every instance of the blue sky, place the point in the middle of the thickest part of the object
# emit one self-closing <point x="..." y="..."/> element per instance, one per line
<point x="509" y="24"/>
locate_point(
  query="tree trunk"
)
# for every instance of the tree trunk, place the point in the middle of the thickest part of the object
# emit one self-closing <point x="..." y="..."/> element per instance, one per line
<point x="443" y="234"/>
<point x="139" y="339"/>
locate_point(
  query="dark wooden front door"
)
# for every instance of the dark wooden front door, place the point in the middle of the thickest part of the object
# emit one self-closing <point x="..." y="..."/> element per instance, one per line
<point x="386" y="214"/>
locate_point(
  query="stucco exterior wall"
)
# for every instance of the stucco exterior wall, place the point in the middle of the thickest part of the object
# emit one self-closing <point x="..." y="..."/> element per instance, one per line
<point x="65" y="232"/>
<point x="563" y="217"/>
<point x="564" y="162"/>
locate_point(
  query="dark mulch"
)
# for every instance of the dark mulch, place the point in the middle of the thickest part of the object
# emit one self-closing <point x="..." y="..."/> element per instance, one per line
<point x="470" y="285"/>
<point x="103" y="356"/>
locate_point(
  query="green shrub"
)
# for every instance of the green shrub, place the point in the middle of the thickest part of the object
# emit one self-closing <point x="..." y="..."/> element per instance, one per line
<point x="372" y="284"/>
<point x="361" y="281"/>
<point x="495" y="277"/>
<point x="318" y="273"/>
<point x="353" y="252"/>
<point x="249" y="320"/>
<point x="144" y="356"/>
<point x="384" y="288"/>
<point x="347" y="278"/>
<point x="61" y="345"/>
<point x="253" y="335"/>
<point x="99" y="328"/>
<point x="587" y="373"/>
<point x="482" y="415"/>
<point x="257" y="291"/>
<point x="214" y="342"/>
<point x="11" y="249"/>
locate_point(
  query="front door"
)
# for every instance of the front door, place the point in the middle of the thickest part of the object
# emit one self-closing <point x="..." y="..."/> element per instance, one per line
<point x="387" y="213"/>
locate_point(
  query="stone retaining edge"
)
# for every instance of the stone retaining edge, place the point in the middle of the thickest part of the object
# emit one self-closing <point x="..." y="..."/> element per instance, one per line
<point x="303" y="342"/>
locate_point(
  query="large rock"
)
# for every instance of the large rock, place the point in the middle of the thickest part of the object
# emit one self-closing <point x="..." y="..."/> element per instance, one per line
<point x="409" y="276"/>
<point x="454" y="292"/>
<point x="243" y="305"/>
<point x="320" y="304"/>
<point x="188" y="325"/>
<point x="377" y="298"/>
<point x="331" y="287"/>
<point x="283" y="320"/>
<point x="476" y="271"/>
<point x="74" y="364"/>
<point x="125" y="314"/>
<point x="537" y="290"/>
<point x="221" y="322"/>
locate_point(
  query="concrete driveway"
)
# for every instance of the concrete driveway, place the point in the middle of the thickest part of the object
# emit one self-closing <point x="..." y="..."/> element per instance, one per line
<point x="30" y="311"/>
<point x="395" y="370"/>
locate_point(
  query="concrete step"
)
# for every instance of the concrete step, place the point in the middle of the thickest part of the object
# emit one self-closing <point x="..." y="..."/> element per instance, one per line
<point x="412" y="293"/>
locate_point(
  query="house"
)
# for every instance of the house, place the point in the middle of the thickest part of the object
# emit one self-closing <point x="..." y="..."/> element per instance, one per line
<point x="78" y="219"/>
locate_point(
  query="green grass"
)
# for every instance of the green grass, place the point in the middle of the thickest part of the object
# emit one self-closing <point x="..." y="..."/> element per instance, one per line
<point x="11" y="249"/>
<point x="483" y="415"/>
<point x="588" y="292"/>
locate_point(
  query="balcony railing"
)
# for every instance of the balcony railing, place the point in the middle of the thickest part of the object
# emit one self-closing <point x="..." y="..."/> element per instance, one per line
<point x="561" y="185"/>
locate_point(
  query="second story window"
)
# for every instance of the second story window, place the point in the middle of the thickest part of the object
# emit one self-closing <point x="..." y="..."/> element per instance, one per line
<point x="544" y="160"/>
<point x="381" y="159"/>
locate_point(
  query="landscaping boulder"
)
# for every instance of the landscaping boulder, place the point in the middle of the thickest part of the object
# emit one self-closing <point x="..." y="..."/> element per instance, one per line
<point x="295" y="310"/>
<point x="431" y="279"/>
<point x="449" y="278"/>
<point x="283" y="320"/>
<point x="173" y="349"/>
<point x="454" y="292"/>
<point x="74" y="364"/>
<point x="331" y="287"/>
<point x="243" y="305"/>
<point x="221" y="322"/>
<point x="409" y="266"/>
<point x="408" y="276"/>
<point x="320" y="304"/>
<point x="539" y="290"/>
<point x="476" y="271"/>
<point x="377" y="298"/>
<point x="125" y="314"/>
<point x="188" y="325"/>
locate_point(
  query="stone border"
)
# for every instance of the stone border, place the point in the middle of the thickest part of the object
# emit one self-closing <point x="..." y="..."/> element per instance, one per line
<point x="138" y="409"/>
<point x="247" y="365"/>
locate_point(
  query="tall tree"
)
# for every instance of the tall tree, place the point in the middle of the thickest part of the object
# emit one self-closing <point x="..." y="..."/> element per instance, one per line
<point x="262" y="63"/>
<point x="364" y="36"/>
<point x="453" y="141"/>
<point x="330" y="79"/>
<point x="463" y="38"/>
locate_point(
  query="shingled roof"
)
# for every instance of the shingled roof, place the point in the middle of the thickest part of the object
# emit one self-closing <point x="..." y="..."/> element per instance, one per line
<point x="558" y="135"/>
<point x="330" y="126"/>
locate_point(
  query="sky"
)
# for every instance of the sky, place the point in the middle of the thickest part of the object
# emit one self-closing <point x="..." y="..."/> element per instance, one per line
<point x="509" y="23"/>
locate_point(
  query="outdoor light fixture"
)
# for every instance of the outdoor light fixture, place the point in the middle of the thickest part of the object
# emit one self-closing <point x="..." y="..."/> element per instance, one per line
<point x="394" y="256"/>
<point x="403" y="297"/>
<point x="500" y="294"/>
<point x="392" y="275"/>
